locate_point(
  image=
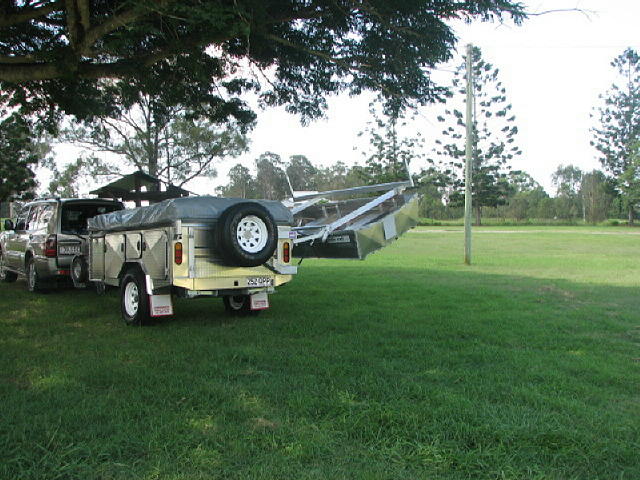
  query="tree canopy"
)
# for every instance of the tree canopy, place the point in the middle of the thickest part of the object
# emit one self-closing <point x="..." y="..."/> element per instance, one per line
<point x="390" y="152"/>
<point x="19" y="153"/>
<point x="167" y="143"/>
<point x="494" y="137"/>
<point x="66" y="56"/>
<point x="618" y="134"/>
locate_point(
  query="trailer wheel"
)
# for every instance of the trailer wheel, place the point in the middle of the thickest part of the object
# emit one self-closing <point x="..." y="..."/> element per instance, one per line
<point x="239" y="305"/>
<point x="134" y="300"/>
<point x="101" y="288"/>
<point x="247" y="236"/>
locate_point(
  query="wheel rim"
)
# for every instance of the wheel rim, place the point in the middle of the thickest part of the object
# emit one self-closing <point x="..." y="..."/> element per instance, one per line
<point x="252" y="234"/>
<point x="131" y="299"/>
<point x="32" y="276"/>
<point x="77" y="270"/>
<point x="236" y="302"/>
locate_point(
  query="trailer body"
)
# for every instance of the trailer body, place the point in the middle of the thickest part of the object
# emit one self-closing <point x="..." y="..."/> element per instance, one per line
<point x="177" y="248"/>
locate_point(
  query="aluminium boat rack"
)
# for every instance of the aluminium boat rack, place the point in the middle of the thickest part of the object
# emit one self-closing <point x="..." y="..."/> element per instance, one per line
<point x="334" y="224"/>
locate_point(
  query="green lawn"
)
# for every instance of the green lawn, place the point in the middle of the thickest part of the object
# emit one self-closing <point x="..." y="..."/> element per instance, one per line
<point x="408" y="365"/>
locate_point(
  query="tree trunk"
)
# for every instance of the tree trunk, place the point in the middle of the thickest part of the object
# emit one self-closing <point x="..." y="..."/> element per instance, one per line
<point x="631" y="215"/>
<point x="478" y="216"/>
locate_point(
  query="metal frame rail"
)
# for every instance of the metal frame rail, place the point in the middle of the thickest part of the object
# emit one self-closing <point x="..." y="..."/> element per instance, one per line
<point x="311" y="233"/>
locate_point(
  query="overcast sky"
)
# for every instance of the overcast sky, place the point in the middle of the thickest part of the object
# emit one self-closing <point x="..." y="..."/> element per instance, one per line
<point x="554" y="67"/>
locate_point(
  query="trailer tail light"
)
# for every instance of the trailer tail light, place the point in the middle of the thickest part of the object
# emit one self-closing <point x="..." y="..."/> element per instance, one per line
<point x="286" y="252"/>
<point x="51" y="246"/>
<point x="177" y="253"/>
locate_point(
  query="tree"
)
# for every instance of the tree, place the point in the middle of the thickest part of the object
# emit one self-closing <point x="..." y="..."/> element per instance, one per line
<point x="66" y="56"/>
<point x="271" y="182"/>
<point x="594" y="191"/>
<point x="338" y="176"/>
<point x="64" y="182"/>
<point x="241" y="183"/>
<point x="567" y="180"/>
<point x="494" y="136"/>
<point x="522" y="181"/>
<point x="391" y="152"/>
<point x="619" y="129"/>
<point x="530" y="203"/>
<point x="301" y="173"/>
<point x="19" y="154"/>
<point x="165" y="142"/>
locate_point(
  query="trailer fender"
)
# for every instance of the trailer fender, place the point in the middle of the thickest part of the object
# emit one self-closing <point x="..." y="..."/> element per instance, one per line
<point x="129" y="264"/>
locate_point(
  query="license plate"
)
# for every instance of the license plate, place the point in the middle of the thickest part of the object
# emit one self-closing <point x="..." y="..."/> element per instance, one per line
<point x="69" y="249"/>
<point x="259" y="282"/>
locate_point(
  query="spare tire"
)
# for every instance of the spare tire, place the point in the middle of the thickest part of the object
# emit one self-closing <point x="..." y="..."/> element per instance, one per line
<point x="247" y="235"/>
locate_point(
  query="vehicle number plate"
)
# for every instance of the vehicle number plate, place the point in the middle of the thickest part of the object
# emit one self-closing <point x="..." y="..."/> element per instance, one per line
<point x="259" y="282"/>
<point x="69" y="249"/>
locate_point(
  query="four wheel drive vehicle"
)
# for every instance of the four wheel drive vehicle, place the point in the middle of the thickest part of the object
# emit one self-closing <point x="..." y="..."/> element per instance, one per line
<point x="189" y="247"/>
<point x="42" y="241"/>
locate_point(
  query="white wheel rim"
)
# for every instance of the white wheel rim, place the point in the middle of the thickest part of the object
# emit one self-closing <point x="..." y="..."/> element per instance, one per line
<point x="131" y="299"/>
<point x="77" y="270"/>
<point x="252" y="234"/>
<point x="32" y="275"/>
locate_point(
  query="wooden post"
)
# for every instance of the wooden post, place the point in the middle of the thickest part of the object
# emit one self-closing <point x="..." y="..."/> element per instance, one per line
<point x="469" y="157"/>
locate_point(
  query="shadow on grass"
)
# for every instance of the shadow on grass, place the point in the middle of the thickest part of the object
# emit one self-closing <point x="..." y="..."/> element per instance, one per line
<point x="353" y="373"/>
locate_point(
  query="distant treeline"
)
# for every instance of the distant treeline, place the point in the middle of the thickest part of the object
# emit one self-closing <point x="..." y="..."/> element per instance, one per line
<point x="579" y="196"/>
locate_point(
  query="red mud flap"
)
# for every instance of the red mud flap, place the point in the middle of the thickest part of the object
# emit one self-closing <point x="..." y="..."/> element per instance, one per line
<point x="160" y="305"/>
<point x="259" y="301"/>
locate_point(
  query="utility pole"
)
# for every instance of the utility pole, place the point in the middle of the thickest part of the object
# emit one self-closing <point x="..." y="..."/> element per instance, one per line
<point x="469" y="157"/>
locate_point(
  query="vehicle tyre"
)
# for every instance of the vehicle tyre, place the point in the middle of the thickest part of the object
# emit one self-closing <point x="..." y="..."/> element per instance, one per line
<point x="134" y="300"/>
<point x="247" y="235"/>
<point x="101" y="288"/>
<point x="239" y="305"/>
<point x="34" y="283"/>
<point x="79" y="271"/>
<point x="6" y="276"/>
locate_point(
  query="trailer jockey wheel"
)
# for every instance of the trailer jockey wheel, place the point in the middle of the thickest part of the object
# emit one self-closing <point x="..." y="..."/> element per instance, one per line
<point x="79" y="271"/>
<point x="239" y="305"/>
<point x="247" y="236"/>
<point x="134" y="300"/>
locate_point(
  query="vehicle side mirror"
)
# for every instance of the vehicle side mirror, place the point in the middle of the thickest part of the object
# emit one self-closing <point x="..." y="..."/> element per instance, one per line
<point x="21" y="225"/>
<point x="8" y="224"/>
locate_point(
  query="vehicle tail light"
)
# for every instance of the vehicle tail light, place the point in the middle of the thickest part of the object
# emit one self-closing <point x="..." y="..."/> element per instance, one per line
<point x="177" y="253"/>
<point x="51" y="246"/>
<point x="286" y="252"/>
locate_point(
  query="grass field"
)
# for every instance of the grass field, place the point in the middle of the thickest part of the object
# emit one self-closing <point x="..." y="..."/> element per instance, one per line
<point x="408" y="365"/>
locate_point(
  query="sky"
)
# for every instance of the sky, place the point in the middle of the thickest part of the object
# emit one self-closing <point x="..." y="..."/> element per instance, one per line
<point x="554" y="67"/>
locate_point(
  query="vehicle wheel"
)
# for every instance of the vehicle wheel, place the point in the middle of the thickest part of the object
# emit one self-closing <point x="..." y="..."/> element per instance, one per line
<point x="134" y="300"/>
<point x="6" y="276"/>
<point x="101" y="288"/>
<point x="34" y="283"/>
<point x="239" y="305"/>
<point x="79" y="271"/>
<point x="247" y="236"/>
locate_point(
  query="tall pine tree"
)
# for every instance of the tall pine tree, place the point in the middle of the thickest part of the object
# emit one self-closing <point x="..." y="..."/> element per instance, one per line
<point x="494" y="133"/>
<point x="617" y="137"/>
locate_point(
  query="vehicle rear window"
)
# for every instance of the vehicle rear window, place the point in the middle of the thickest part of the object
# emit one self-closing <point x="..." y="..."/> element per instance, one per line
<point x="75" y="216"/>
